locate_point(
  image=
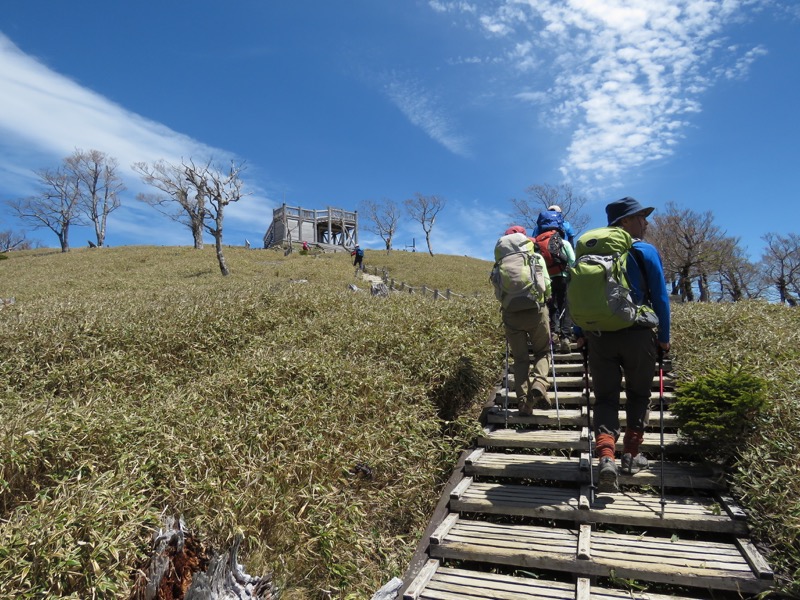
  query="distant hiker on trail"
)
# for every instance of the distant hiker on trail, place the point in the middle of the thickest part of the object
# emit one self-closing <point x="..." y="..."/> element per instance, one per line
<point x="621" y="335"/>
<point x="358" y="253"/>
<point x="544" y="219"/>
<point x="558" y="254"/>
<point x="522" y="286"/>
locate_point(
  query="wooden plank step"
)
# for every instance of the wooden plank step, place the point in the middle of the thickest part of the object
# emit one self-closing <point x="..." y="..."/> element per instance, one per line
<point x="569" y="417"/>
<point x="682" y="513"/>
<point x="573" y="381"/>
<point x="703" y="564"/>
<point x="572" y="439"/>
<point x="437" y="582"/>
<point x="569" y="397"/>
<point x="558" y="468"/>
<point x="576" y="358"/>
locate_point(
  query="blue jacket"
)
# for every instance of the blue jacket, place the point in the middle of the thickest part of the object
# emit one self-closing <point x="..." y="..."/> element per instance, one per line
<point x="653" y="289"/>
<point x="650" y="289"/>
<point x="568" y="231"/>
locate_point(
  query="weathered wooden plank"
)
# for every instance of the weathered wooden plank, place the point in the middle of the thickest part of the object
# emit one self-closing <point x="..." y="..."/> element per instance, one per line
<point x="568" y="439"/>
<point x="414" y="591"/>
<point x="517" y="500"/>
<point x="558" y="468"/>
<point x="681" y="513"/>
<point x="461" y="488"/>
<point x="585" y="543"/>
<point x="569" y="417"/>
<point x="731" y="507"/>
<point x="691" y="563"/>
<point x="633" y="509"/>
<point x="572" y="397"/>
<point x="583" y="589"/>
<point x="552" y="468"/>
<point x="676" y="475"/>
<point x="461" y="584"/>
<point x="444" y="527"/>
<point x="560" y="439"/>
<point x="754" y="559"/>
<point x="474" y="456"/>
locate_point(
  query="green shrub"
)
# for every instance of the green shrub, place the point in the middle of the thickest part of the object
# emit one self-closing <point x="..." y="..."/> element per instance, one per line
<point x="719" y="410"/>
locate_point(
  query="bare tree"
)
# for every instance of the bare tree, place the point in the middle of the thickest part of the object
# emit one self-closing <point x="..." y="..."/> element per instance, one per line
<point x="383" y="218"/>
<point x="100" y="186"/>
<point x="540" y="197"/>
<point x="220" y="189"/>
<point x="13" y="240"/>
<point x="424" y="210"/>
<point x="781" y="262"/>
<point x="736" y="277"/>
<point x="56" y="207"/>
<point x="688" y="242"/>
<point x="176" y="199"/>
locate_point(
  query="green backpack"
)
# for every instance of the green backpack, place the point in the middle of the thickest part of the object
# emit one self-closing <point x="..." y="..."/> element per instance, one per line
<point x="598" y="292"/>
<point x="519" y="273"/>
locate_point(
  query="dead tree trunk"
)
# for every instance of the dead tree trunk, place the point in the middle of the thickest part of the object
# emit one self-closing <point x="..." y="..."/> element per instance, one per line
<point x="183" y="568"/>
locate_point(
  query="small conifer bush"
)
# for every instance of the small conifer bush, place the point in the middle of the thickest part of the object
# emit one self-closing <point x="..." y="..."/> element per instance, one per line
<point x="719" y="410"/>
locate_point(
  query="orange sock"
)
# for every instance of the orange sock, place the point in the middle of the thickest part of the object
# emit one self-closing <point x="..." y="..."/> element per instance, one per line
<point x="631" y="442"/>
<point x="604" y="447"/>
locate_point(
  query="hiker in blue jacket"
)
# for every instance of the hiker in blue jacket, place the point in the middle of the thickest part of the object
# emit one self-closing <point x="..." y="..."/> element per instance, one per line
<point x="632" y="351"/>
<point x="358" y="257"/>
<point x="568" y="233"/>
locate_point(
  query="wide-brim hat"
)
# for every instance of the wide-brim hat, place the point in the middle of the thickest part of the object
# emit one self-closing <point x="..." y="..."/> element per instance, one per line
<point x="627" y="207"/>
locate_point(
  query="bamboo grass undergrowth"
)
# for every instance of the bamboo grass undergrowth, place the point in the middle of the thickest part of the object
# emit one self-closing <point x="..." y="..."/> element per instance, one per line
<point x="137" y="381"/>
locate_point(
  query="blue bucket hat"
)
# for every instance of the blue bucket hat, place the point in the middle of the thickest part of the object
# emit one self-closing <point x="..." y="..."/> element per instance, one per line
<point x="627" y="207"/>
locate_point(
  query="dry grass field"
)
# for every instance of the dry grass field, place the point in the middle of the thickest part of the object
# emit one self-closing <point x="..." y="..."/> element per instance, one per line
<point x="137" y="382"/>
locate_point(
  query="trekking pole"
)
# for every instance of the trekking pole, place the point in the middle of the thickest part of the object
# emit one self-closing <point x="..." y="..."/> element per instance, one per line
<point x="505" y="400"/>
<point x="585" y="352"/>
<point x="661" y="406"/>
<point x="555" y="382"/>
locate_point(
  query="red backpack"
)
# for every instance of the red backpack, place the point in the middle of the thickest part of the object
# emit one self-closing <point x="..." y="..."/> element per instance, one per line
<point x="551" y="247"/>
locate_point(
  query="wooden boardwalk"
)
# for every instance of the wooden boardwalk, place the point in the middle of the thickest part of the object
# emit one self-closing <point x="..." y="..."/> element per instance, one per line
<point x="521" y="519"/>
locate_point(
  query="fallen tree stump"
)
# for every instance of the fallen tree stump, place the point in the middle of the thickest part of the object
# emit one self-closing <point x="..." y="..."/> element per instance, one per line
<point x="183" y="568"/>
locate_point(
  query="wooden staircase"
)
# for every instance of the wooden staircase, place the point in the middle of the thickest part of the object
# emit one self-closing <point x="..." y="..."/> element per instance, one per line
<point x="520" y="517"/>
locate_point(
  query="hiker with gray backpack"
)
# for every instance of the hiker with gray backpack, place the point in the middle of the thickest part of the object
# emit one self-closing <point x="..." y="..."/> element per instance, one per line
<point x="618" y="301"/>
<point x="522" y="286"/>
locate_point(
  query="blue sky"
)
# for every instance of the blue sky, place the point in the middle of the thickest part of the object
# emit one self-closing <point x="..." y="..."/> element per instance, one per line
<point x="332" y="103"/>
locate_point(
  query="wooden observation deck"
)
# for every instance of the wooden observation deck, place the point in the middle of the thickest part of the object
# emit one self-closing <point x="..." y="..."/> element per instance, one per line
<point x="294" y="224"/>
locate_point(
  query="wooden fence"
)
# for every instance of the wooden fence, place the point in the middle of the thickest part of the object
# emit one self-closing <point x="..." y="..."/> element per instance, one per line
<point x="402" y="286"/>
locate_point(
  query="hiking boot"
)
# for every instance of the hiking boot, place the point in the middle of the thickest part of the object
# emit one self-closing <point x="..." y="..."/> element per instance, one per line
<point x="633" y="464"/>
<point x="608" y="476"/>
<point x="565" y="346"/>
<point x="525" y="409"/>
<point x="539" y="397"/>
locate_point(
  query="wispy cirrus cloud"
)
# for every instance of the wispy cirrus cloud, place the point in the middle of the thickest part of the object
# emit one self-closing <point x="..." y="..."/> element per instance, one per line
<point x="624" y="75"/>
<point x="55" y="115"/>
<point x="45" y="116"/>
<point x="421" y="107"/>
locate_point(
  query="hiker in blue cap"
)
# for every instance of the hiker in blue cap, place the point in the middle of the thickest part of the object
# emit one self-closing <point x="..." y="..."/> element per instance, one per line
<point x="631" y="349"/>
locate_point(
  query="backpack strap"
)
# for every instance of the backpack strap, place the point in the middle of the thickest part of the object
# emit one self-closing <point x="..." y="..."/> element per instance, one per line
<point x="638" y="258"/>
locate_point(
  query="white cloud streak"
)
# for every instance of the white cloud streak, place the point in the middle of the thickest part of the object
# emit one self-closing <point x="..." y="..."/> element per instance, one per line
<point x="421" y="108"/>
<point x="56" y="115"/>
<point x="625" y="75"/>
<point x="45" y="116"/>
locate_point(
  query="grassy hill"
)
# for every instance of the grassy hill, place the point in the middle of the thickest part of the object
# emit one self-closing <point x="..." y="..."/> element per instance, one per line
<point x="138" y="381"/>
